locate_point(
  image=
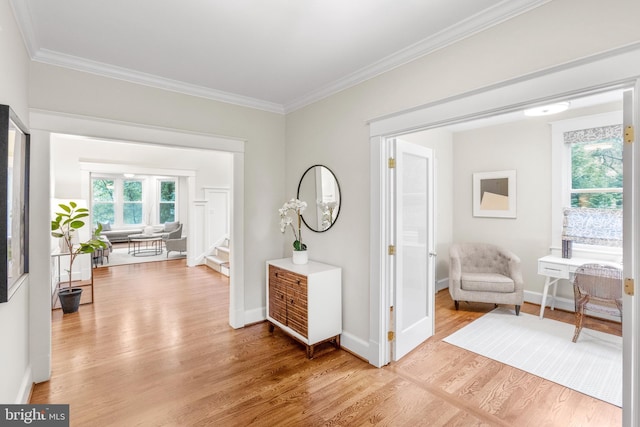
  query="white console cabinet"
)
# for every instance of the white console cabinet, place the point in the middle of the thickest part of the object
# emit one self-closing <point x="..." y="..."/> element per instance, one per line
<point x="305" y="301"/>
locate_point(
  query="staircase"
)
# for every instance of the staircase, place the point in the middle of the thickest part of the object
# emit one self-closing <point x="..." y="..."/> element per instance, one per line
<point x="219" y="260"/>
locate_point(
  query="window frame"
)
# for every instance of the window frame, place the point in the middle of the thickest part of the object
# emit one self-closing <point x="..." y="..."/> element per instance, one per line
<point x="561" y="173"/>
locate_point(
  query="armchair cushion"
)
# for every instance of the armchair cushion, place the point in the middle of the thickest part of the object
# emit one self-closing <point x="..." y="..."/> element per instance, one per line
<point x="487" y="282"/>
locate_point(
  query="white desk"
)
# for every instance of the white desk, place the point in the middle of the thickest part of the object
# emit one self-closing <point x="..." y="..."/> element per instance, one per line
<point x="556" y="268"/>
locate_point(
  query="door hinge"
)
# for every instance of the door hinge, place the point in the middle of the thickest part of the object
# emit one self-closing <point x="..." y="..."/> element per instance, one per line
<point x="629" y="134"/>
<point x="629" y="286"/>
<point x="391" y="336"/>
<point x="392" y="250"/>
<point x="392" y="163"/>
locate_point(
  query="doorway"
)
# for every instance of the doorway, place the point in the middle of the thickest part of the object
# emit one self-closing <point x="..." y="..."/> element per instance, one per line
<point x="47" y="123"/>
<point x="554" y="85"/>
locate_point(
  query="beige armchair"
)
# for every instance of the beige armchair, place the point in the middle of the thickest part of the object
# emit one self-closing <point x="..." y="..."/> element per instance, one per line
<point x="481" y="272"/>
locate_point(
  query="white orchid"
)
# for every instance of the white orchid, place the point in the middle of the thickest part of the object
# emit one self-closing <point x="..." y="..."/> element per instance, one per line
<point x="288" y="212"/>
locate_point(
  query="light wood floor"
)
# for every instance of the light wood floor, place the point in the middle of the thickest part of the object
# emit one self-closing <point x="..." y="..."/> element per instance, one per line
<point x="155" y="349"/>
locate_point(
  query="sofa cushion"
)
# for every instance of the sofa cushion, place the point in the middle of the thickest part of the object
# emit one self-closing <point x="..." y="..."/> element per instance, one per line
<point x="486" y="282"/>
<point x="106" y="226"/>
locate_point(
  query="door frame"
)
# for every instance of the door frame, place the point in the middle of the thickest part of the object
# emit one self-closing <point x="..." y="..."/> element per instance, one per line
<point x="43" y="124"/>
<point x="619" y="68"/>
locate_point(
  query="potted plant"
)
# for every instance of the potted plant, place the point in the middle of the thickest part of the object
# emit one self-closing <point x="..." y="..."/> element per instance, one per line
<point x="64" y="227"/>
<point x="291" y="212"/>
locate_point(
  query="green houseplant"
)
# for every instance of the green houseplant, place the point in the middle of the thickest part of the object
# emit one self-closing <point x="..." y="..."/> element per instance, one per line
<point x="64" y="226"/>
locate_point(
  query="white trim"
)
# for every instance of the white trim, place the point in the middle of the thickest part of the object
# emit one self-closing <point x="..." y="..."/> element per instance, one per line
<point x="615" y="69"/>
<point x="562" y="303"/>
<point x="631" y="264"/>
<point x="120" y="168"/>
<point x="378" y="258"/>
<point x="95" y="127"/>
<point x="595" y="74"/>
<point x="354" y="344"/>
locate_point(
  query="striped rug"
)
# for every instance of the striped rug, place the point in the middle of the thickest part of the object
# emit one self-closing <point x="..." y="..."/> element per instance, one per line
<point x="543" y="347"/>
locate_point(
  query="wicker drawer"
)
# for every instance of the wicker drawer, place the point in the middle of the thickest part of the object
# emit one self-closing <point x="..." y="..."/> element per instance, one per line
<point x="305" y="301"/>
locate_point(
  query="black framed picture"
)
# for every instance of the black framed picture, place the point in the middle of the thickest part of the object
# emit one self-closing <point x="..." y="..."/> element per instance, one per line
<point x="14" y="202"/>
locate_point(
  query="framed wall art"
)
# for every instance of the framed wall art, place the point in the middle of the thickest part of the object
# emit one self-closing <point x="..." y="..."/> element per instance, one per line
<point x="494" y="194"/>
<point x="14" y="202"/>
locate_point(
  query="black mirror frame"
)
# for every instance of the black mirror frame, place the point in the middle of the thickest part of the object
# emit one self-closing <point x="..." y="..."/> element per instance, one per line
<point x="339" y="197"/>
<point x="6" y="115"/>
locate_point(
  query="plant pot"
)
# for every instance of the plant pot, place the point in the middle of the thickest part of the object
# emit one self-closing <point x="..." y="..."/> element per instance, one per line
<point x="300" y="257"/>
<point x="70" y="299"/>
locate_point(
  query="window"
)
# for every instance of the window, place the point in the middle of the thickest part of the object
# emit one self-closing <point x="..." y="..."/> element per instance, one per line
<point x="103" y="200"/>
<point x="596" y="167"/>
<point x="132" y="202"/>
<point x="167" y="201"/>
<point x="118" y="201"/>
<point x="587" y="168"/>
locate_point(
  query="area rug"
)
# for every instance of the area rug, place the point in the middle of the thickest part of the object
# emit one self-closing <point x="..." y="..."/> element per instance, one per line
<point x="120" y="256"/>
<point x="543" y="347"/>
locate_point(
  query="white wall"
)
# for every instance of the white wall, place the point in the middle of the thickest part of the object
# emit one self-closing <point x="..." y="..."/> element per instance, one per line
<point x="15" y="358"/>
<point x="334" y="131"/>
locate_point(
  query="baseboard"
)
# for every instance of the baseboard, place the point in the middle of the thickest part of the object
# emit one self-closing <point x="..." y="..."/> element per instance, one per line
<point x="354" y="345"/>
<point x="562" y="303"/>
<point x="26" y="386"/>
<point x="442" y="284"/>
<point x="254" y="316"/>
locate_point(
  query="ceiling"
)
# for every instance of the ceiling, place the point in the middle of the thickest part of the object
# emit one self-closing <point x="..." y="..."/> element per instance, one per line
<point x="275" y="55"/>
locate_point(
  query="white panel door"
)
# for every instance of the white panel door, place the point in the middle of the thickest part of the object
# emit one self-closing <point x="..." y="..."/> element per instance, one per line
<point x="415" y="258"/>
<point x="217" y="214"/>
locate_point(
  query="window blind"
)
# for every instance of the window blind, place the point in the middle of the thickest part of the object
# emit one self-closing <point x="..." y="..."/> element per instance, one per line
<point x="593" y="226"/>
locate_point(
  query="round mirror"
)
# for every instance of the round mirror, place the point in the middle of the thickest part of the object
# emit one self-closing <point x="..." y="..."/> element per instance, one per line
<point x="319" y="188"/>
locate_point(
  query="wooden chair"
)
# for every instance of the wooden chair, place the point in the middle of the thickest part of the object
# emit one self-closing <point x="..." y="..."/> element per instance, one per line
<point x="597" y="288"/>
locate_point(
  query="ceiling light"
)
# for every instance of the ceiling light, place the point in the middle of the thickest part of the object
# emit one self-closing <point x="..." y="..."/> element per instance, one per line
<point x="546" y="110"/>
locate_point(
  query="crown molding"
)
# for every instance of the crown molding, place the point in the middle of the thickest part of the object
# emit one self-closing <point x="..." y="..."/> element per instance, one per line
<point x="495" y="15"/>
<point x="22" y="14"/>
<point x="499" y="13"/>
<point x="81" y="64"/>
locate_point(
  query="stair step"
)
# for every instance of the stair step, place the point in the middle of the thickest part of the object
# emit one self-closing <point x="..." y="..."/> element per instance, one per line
<point x="217" y="260"/>
<point x="224" y="249"/>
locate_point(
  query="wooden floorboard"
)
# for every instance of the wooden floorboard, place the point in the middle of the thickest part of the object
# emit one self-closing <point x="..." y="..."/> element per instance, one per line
<point x="155" y="349"/>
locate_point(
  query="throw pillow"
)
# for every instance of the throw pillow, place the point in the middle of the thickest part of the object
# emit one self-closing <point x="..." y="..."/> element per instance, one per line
<point x="171" y="226"/>
<point x="106" y="226"/>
